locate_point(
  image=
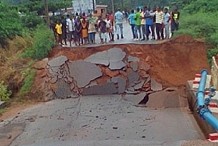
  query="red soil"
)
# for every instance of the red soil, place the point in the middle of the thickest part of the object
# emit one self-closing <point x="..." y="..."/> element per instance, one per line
<point x="172" y="62"/>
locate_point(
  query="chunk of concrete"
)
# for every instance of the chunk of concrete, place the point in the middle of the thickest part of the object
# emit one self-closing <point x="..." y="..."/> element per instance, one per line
<point x="134" y="66"/>
<point x="92" y="83"/>
<point x="54" y="70"/>
<point x="63" y="90"/>
<point x="121" y="85"/>
<point x="155" y="86"/>
<point x="53" y="79"/>
<point x="106" y="89"/>
<point x="117" y="65"/>
<point x="99" y="58"/>
<point x="139" y="85"/>
<point x="134" y="99"/>
<point x="132" y="59"/>
<point x="83" y="72"/>
<point x="133" y="77"/>
<point x="116" y="54"/>
<point x="58" y="61"/>
<point x="131" y="90"/>
<point x="114" y="80"/>
<point x="164" y="99"/>
<point x="121" y="82"/>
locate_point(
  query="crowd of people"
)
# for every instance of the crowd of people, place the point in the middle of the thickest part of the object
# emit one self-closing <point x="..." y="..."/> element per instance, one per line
<point x="145" y="24"/>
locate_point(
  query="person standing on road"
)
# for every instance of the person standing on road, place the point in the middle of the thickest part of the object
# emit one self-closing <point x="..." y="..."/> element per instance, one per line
<point x="111" y="17"/>
<point x="92" y="29"/>
<point x="138" y="20"/>
<point x="166" y="23"/>
<point x="175" y="20"/>
<point x="131" y="20"/>
<point x="109" y="27"/>
<point x="78" y="29"/>
<point x="119" y="23"/>
<point x="58" y="28"/>
<point x="143" y="27"/>
<point x="149" y="24"/>
<point x="103" y="30"/>
<point x="64" y="30"/>
<point x="84" y="31"/>
<point x="70" y="28"/>
<point x="159" y="23"/>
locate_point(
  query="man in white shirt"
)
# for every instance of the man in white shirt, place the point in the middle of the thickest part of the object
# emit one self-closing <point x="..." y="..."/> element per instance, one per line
<point x="119" y="23"/>
<point x="159" y="23"/>
<point x="70" y="28"/>
<point x="167" y="23"/>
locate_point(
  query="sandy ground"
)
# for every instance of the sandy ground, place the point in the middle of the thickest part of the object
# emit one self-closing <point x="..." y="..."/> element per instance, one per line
<point x="99" y="120"/>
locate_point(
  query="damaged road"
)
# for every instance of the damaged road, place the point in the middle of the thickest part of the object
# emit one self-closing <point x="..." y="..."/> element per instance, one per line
<point x="102" y="120"/>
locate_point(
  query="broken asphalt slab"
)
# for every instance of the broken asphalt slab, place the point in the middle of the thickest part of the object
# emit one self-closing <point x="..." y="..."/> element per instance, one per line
<point x="63" y="90"/>
<point x="99" y="58"/>
<point x="83" y="72"/>
<point x="155" y="86"/>
<point x="108" y="88"/>
<point x="57" y="61"/>
<point x="164" y="99"/>
<point x="134" y="99"/>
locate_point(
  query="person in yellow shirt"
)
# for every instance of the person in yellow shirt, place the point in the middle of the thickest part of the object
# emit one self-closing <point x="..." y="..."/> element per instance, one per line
<point x="58" y="28"/>
<point x="175" y="15"/>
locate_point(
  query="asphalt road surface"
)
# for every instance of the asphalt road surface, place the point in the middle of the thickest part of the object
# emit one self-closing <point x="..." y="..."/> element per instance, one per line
<point x="100" y="121"/>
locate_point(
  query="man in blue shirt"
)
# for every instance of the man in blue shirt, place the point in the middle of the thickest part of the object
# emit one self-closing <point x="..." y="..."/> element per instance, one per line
<point x="131" y="20"/>
<point x="149" y="24"/>
<point x="119" y="23"/>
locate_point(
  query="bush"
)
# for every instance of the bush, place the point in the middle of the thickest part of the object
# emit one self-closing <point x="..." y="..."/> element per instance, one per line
<point x="31" y="20"/>
<point x="43" y="41"/>
<point x="29" y="76"/>
<point x="199" y="24"/>
<point x="201" y="6"/>
<point x="4" y="93"/>
<point x="10" y="25"/>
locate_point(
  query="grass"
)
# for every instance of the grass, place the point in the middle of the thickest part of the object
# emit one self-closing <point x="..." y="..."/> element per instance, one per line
<point x="28" y="81"/>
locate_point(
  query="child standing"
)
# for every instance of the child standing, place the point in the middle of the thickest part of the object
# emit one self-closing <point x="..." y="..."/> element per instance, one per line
<point x="109" y="27"/>
<point x="103" y="30"/>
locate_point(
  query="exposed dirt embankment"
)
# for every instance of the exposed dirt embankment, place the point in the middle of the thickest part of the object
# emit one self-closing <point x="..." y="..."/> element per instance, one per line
<point x="172" y="62"/>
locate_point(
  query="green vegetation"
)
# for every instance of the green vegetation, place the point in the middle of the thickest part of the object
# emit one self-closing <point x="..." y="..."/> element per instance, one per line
<point x="10" y="25"/>
<point x="29" y="75"/>
<point x="21" y="35"/>
<point x="43" y="41"/>
<point x="31" y="20"/>
<point x="199" y="19"/>
<point x="4" y="92"/>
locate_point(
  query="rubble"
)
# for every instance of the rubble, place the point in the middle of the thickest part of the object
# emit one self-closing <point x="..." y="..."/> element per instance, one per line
<point x="83" y="72"/>
<point x="58" y="61"/>
<point x="164" y="99"/>
<point x="107" y="72"/>
<point x="63" y="90"/>
<point x="155" y="86"/>
<point x="108" y="88"/>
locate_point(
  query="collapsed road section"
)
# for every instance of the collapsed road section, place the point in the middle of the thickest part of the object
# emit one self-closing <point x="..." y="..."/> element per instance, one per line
<point x="122" y="69"/>
<point x="117" y="95"/>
